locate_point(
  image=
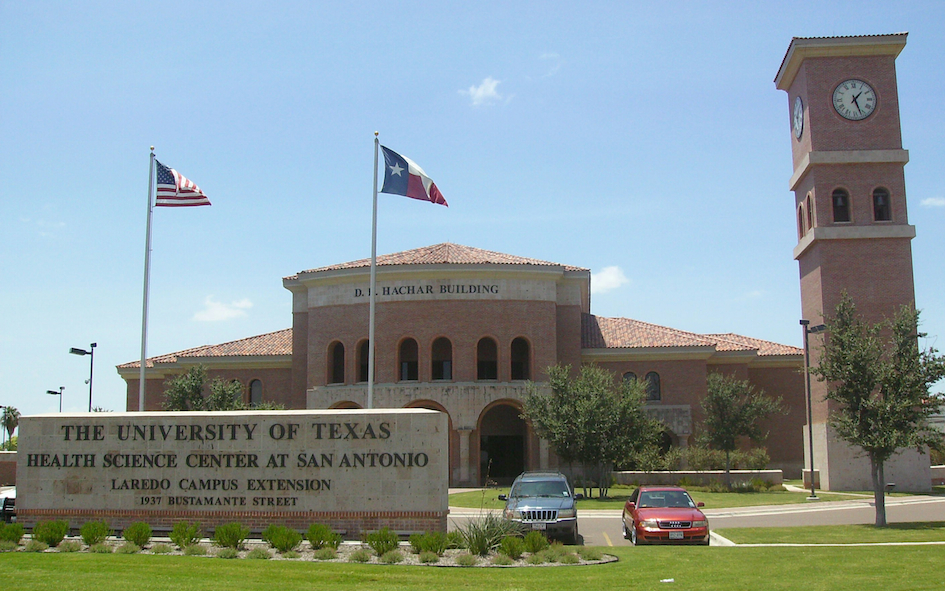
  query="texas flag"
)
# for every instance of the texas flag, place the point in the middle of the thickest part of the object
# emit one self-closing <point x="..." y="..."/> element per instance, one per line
<point x="403" y="177"/>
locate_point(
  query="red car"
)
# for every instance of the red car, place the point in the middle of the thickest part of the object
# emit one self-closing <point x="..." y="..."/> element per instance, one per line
<point x="664" y="515"/>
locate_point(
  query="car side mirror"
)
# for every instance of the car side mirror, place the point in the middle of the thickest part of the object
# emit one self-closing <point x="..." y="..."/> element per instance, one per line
<point x="631" y="505"/>
<point x="578" y="496"/>
<point x="700" y="504"/>
<point x="503" y="497"/>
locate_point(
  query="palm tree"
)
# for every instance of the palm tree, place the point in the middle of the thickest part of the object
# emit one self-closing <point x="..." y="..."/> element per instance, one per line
<point x="9" y="420"/>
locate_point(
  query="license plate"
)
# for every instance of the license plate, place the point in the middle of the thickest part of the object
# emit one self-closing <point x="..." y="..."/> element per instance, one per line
<point x="541" y="526"/>
<point x="675" y="535"/>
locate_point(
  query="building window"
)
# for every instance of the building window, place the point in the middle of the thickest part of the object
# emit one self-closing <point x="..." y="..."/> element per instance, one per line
<point x="810" y="213"/>
<point x="520" y="354"/>
<point x="881" y="209"/>
<point x="363" y="354"/>
<point x="801" y="230"/>
<point x="255" y="393"/>
<point x="408" y="360"/>
<point x="487" y="355"/>
<point x="629" y="377"/>
<point x="653" y="386"/>
<point x="442" y="354"/>
<point x="336" y="363"/>
<point x="841" y="206"/>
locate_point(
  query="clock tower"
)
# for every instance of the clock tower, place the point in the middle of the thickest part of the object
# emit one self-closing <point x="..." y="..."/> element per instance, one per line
<point x="850" y="209"/>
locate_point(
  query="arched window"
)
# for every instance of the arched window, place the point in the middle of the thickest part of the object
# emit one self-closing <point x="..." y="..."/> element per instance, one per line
<point x="841" y="205"/>
<point x="442" y="355"/>
<point x="336" y="363"/>
<point x="520" y="354"/>
<point x="255" y="393"/>
<point x="810" y="213"/>
<point x="801" y="230"/>
<point x="629" y="377"/>
<point x="652" y="386"/>
<point x="882" y="212"/>
<point x="363" y="353"/>
<point x="408" y="360"/>
<point x="487" y="355"/>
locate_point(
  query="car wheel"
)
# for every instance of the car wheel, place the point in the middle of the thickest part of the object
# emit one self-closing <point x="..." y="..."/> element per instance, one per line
<point x="573" y="538"/>
<point x="623" y="525"/>
<point x="633" y="535"/>
<point x="707" y="538"/>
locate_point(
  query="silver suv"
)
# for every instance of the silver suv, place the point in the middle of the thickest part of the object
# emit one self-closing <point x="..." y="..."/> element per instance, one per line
<point x="543" y="501"/>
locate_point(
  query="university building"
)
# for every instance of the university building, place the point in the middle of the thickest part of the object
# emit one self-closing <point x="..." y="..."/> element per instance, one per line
<point x="462" y="330"/>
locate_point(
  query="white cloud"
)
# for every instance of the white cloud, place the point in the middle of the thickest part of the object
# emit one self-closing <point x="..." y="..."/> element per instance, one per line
<point x="555" y="60"/>
<point x="934" y="202"/>
<point x="215" y="311"/>
<point x="485" y="93"/>
<point x="608" y="279"/>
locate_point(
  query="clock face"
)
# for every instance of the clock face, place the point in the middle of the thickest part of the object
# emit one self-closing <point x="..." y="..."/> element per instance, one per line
<point x="854" y="100"/>
<point x="798" y="117"/>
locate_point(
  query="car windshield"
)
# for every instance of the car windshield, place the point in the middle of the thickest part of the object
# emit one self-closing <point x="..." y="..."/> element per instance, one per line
<point x="554" y="488"/>
<point x="666" y="498"/>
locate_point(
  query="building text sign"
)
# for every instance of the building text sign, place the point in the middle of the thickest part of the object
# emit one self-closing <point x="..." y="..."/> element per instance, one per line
<point x="322" y="461"/>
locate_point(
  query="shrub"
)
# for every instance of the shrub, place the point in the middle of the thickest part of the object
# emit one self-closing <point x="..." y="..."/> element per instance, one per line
<point x="502" y="560"/>
<point x="50" y="532"/>
<point x="430" y="542"/>
<point x="36" y="546"/>
<point x="320" y="536"/>
<point x="382" y="541"/>
<point x="69" y="546"/>
<point x="259" y="554"/>
<point x="161" y="548"/>
<point x="535" y="541"/>
<point x="291" y="554"/>
<point x="570" y="558"/>
<point x="185" y="534"/>
<point x="392" y="557"/>
<point x="195" y="550"/>
<point x="361" y="555"/>
<point x="512" y="546"/>
<point x="467" y="559"/>
<point x="282" y="538"/>
<point x="8" y="546"/>
<point x="429" y="558"/>
<point x="138" y="533"/>
<point x="589" y="553"/>
<point x="454" y="540"/>
<point x="228" y="553"/>
<point x="536" y="558"/>
<point x="94" y="532"/>
<point x="128" y="548"/>
<point x="326" y="553"/>
<point x="483" y="534"/>
<point x="754" y="459"/>
<point x="414" y="540"/>
<point x="230" y="535"/>
<point x="100" y="549"/>
<point x="11" y="532"/>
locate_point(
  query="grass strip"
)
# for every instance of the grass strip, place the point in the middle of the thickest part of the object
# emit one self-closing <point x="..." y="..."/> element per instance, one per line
<point x="927" y="531"/>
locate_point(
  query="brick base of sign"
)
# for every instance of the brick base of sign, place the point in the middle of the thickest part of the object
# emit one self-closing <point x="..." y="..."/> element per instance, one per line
<point x="350" y="524"/>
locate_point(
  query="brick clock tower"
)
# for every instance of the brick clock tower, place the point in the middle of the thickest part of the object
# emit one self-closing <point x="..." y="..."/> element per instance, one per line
<point x="850" y="209"/>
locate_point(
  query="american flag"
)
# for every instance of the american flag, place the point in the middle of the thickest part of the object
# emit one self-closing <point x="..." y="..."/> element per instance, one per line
<point x="175" y="190"/>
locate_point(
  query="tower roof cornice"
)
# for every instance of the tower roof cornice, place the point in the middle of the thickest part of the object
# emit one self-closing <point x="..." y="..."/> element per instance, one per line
<point x="802" y="48"/>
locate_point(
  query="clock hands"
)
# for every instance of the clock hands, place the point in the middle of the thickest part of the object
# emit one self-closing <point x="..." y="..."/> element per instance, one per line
<point x="856" y="96"/>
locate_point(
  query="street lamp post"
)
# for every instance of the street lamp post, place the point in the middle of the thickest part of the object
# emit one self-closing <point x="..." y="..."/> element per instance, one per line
<point x="809" y="330"/>
<point x="59" y="394"/>
<point x="91" y="354"/>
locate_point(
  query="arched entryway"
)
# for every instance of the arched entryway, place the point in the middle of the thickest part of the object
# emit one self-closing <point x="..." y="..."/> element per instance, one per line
<point x="502" y="442"/>
<point x="453" y="438"/>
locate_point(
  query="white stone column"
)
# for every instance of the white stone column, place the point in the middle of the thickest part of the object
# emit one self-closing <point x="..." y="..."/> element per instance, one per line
<point x="464" y="433"/>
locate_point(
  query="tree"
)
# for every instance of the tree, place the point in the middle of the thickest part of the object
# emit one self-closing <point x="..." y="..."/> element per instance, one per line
<point x="591" y="419"/>
<point x="733" y="409"/>
<point x="187" y="392"/>
<point x="882" y="388"/>
<point x="9" y="420"/>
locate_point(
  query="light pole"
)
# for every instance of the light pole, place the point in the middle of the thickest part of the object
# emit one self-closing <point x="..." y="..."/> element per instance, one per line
<point x="91" y="354"/>
<point x="809" y="330"/>
<point x="59" y="394"/>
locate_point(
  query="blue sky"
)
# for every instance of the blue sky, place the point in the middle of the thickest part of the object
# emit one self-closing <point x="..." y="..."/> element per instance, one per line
<point x="644" y="141"/>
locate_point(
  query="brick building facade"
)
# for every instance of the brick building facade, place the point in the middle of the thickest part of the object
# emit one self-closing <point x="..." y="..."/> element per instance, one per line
<point x="461" y="330"/>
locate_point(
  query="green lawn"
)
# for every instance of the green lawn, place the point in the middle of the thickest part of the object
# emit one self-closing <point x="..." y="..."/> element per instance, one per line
<point x="890" y="568"/>
<point x="928" y="531"/>
<point x="618" y="496"/>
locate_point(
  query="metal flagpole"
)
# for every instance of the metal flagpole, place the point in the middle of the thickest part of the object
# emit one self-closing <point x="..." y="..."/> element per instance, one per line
<point x="373" y="290"/>
<point x="147" y="277"/>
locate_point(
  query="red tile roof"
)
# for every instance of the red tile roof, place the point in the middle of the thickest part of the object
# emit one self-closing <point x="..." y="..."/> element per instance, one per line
<point x="265" y="345"/>
<point x="598" y="332"/>
<point x="443" y="254"/>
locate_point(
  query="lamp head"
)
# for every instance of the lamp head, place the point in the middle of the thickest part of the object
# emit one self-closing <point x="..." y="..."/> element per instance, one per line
<point x="75" y="351"/>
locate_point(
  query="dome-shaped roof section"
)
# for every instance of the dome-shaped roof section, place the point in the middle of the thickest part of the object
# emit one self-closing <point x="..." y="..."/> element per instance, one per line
<point x="446" y="253"/>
